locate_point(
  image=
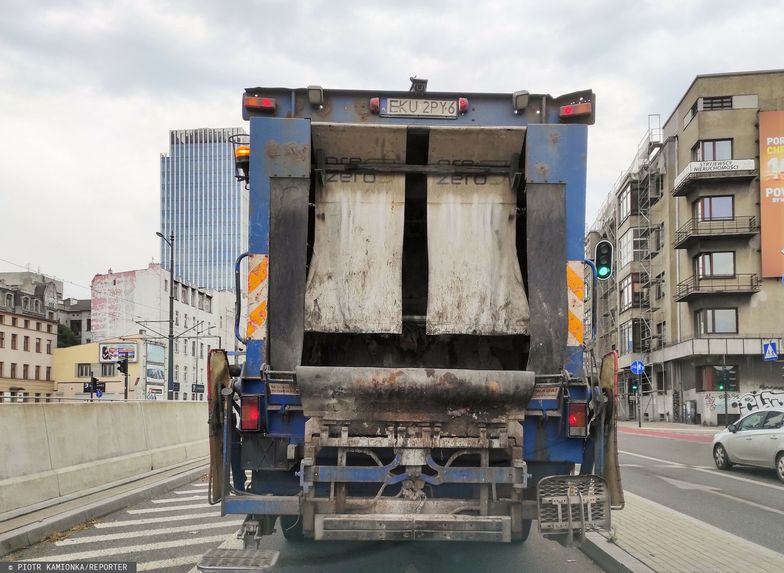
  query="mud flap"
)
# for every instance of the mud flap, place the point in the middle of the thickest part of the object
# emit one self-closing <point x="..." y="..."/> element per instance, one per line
<point x="218" y="377"/>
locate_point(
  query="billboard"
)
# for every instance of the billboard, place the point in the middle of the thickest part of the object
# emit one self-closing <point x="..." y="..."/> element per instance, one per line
<point x="114" y="351"/>
<point x="771" y="138"/>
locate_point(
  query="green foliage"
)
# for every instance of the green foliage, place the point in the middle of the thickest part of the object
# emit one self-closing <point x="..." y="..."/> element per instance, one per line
<point x="65" y="337"/>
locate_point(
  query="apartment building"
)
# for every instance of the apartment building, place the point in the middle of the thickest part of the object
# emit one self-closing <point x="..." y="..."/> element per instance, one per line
<point x="698" y="224"/>
<point x="28" y="335"/>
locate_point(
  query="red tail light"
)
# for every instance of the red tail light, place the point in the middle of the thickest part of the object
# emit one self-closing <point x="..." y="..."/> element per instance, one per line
<point x="375" y="105"/>
<point x="259" y="103"/>
<point x="576" y="109"/>
<point x="250" y="415"/>
<point x="578" y="420"/>
<point x="462" y="104"/>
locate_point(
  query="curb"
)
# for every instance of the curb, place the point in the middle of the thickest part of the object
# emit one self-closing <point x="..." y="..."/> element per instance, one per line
<point x="33" y="533"/>
<point x="610" y="557"/>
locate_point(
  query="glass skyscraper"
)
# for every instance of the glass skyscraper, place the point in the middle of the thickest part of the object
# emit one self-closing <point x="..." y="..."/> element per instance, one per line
<point x="203" y="206"/>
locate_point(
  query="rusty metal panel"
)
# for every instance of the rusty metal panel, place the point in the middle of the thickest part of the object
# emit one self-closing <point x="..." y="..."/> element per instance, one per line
<point x="475" y="284"/>
<point x="414" y="394"/>
<point x="354" y="283"/>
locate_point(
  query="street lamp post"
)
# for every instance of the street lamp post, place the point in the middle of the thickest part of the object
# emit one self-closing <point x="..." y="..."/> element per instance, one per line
<point x="170" y="381"/>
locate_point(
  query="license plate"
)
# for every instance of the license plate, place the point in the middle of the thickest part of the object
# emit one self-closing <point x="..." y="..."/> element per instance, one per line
<point x="411" y="107"/>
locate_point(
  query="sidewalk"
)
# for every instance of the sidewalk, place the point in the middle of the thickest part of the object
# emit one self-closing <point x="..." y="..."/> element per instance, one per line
<point x="672" y="427"/>
<point x="650" y="537"/>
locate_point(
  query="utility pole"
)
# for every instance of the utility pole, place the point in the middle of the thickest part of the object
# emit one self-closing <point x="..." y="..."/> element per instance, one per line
<point x="170" y="378"/>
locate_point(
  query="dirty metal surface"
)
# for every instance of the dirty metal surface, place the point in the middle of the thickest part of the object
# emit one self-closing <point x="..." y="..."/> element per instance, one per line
<point x="354" y="282"/>
<point x="475" y="282"/>
<point x="546" y="260"/>
<point x="416" y="394"/>
<point x="232" y="560"/>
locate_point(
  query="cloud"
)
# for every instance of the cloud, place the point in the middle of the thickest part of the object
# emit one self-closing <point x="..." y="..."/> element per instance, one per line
<point x="90" y="89"/>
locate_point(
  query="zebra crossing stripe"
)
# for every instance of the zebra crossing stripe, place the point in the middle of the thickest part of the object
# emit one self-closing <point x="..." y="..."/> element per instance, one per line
<point x="142" y="548"/>
<point x="189" y="491"/>
<point x="151" y="520"/>
<point x="180" y="499"/>
<point x="167" y="563"/>
<point x="168" y="508"/>
<point x="149" y="532"/>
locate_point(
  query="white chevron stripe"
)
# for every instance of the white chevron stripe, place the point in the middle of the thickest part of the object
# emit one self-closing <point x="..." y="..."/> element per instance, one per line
<point x="149" y="532"/>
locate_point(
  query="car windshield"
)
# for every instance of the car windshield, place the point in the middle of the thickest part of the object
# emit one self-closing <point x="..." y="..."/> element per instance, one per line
<point x="774" y="420"/>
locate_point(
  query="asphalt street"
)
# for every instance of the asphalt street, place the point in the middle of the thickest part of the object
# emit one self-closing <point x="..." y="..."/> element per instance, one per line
<point x="171" y="532"/>
<point x="677" y="470"/>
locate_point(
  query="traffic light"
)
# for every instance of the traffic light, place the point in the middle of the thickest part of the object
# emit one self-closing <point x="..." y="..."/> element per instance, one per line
<point x="634" y="386"/>
<point x="122" y="365"/>
<point x="603" y="259"/>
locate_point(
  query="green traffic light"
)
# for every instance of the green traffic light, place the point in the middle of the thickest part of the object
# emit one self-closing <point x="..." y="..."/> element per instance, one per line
<point x="721" y="386"/>
<point x="603" y="271"/>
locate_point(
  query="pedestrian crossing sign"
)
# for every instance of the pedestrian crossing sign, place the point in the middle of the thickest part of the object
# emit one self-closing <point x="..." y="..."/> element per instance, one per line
<point x="770" y="351"/>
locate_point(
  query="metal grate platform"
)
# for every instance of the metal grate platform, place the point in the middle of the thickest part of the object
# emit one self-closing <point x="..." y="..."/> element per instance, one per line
<point x="238" y="560"/>
<point x="568" y="503"/>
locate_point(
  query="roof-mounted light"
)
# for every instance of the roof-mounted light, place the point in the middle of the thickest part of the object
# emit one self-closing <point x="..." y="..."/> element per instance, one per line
<point x="259" y="103"/>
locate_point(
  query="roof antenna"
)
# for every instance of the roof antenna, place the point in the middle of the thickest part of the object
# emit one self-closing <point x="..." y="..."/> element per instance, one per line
<point x="418" y="86"/>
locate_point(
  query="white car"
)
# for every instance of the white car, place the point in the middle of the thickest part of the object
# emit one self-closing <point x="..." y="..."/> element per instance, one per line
<point x="757" y="439"/>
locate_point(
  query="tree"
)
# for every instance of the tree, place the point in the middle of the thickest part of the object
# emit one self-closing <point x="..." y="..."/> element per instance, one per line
<point x="65" y="337"/>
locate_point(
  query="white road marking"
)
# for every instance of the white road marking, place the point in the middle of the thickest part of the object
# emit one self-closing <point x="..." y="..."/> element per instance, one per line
<point x="723" y="474"/>
<point x="190" y="491"/>
<point x="113" y="551"/>
<point x="149" y="532"/>
<point x="630" y="465"/>
<point x="179" y="499"/>
<point x="165" y="563"/>
<point x="168" y="508"/>
<point x="149" y="520"/>
<point x="717" y="491"/>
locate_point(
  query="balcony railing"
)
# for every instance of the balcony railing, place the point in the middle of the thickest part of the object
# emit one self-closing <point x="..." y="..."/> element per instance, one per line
<point x="695" y="229"/>
<point x="713" y="171"/>
<point x="695" y="286"/>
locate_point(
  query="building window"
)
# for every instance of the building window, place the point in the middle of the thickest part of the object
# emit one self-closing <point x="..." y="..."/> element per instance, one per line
<point x="719" y="208"/>
<point x="716" y="102"/>
<point x="48" y="346"/>
<point x="48" y="372"/>
<point x="89" y="324"/>
<point x="2" y="339"/>
<point x="83" y="370"/>
<point x="37" y="307"/>
<point x="661" y="333"/>
<point x="209" y="304"/>
<point x="185" y="320"/>
<point x="2" y="369"/>
<point x="13" y="370"/>
<point x="177" y="317"/>
<point x="627" y="204"/>
<point x="201" y="350"/>
<point x="14" y="344"/>
<point x="193" y="348"/>
<point x="176" y="292"/>
<point x="629" y="289"/>
<point x="712" y="150"/>
<point x="25" y="371"/>
<point x="185" y="374"/>
<point x="13" y="321"/>
<point x="107" y="369"/>
<point x="717" y="321"/>
<point x="631" y="246"/>
<point x="9" y="300"/>
<point x="27" y="323"/>
<point x="25" y="303"/>
<point x="37" y="372"/>
<point x="710" y="377"/>
<point x="26" y="344"/>
<point x="49" y="328"/>
<point x="76" y="327"/>
<point x="631" y="336"/>
<point x="38" y="326"/>
<point x="177" y="373"/>
<point x="38" y="345"/>
<point x="715" y="265"/>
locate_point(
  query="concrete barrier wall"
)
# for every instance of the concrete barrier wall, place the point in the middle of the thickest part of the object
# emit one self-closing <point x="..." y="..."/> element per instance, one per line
<point x="51" y="450"/>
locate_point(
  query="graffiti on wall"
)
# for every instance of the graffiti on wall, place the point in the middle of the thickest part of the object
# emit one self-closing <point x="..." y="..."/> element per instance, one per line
<point x="714" y="402"/>
<point x="757" y="399"/>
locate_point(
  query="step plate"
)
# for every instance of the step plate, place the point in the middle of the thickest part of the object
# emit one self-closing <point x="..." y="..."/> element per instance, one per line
<point x="238" y="560"/>
<point x="421" y="527"/>
<point x="573" y="503"/>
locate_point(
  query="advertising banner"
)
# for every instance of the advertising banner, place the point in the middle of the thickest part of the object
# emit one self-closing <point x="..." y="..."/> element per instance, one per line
<point x="114" y="351"/>
<point x="771" y="137"/>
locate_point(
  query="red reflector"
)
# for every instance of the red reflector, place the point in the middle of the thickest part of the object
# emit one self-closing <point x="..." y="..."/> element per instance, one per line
<point x="250" y="415"/>
<point x="259" y="103"/>
<point x="578" y="419"/>
<point x="375" y="105"/>
<point x="576" y="109"/>
<point x="462" y="104"/>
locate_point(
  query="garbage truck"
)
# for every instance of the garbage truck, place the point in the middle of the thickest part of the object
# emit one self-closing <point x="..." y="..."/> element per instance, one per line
<point x="416" y="363"/>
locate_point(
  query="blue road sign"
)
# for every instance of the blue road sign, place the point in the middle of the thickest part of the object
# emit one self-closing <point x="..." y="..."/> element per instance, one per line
<point x="770" y="351"/>
<point x="98" y="393"/>
<point x="637" y="367"/>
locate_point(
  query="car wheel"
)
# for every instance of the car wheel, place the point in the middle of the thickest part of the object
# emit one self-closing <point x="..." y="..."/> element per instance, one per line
<point x="721" y="458"/>
<point x="780" y="466"/>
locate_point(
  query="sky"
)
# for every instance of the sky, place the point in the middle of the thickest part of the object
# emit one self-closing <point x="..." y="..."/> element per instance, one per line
<point x="90" y="89"/>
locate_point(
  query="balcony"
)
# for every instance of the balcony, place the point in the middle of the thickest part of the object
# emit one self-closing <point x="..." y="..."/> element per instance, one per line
<point x="727" y="170"/>
<point x="695" y="286"/>
<point x="695" y="229"/>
